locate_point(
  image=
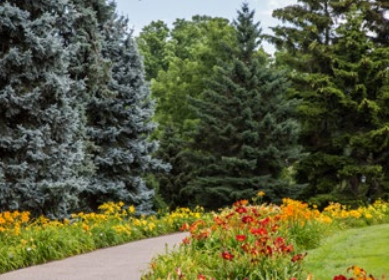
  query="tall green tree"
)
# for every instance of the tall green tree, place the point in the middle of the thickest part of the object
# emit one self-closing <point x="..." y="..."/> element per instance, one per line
<point x="246" y="132"/>
<point x="190" y="51"/>
<point x="152" y="42"/>
<point x="341" y="107"/>
<point x="184" y="57"/>
<point x="361" y="77"/>
<point x="122" y="125"/>
<point x="40" y="151"/>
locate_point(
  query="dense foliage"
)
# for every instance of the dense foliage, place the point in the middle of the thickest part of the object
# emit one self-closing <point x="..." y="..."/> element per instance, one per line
<point x="339" y="70"/>
<point x="40" y="149"/>
<point x="75" y="113"/>
<point x="246" y="133"/>
<point x="78" y="126"/>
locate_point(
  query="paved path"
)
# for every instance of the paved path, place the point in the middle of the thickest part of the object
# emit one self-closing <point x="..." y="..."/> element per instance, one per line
<point x="123" y="262"/>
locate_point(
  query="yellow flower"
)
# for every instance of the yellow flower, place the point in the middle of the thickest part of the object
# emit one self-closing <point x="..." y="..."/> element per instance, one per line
<point x="131" y="209"/>
<point x="368" y="216"/>
<point x="151" y="226"/>
<point x="261" y="193"/>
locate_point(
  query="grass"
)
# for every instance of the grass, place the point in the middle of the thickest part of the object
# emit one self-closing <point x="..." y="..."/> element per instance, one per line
<point x="366" y="247"/>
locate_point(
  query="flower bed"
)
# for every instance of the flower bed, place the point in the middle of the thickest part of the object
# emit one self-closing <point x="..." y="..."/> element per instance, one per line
<point x="245" y="241"/>
<point x="259" y="241"/>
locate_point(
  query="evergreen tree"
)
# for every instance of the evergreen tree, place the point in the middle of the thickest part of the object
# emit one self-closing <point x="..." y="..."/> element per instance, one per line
<point x="342" y="83"/>
<point x="170" y="183"/>
<point x="122" y="125"/>
<point x="302" y="43"/>
<point x="89" y="67"/>
<point x="362" y="77"/>
<point x="39" y="148"/>
<point x="246" y="131"/>
<point x="377" y="19"/>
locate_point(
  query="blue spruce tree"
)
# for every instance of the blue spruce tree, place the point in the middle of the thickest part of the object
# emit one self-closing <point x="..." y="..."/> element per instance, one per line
<point x="40" y="151"/>
<point x="120" y="125"/>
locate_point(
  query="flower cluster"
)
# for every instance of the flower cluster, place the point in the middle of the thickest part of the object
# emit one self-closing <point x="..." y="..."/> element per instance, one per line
<point x="258" y="241"/>
<point x="376" y="213"/>
<point x="12" y="222"/>
<point x="358" y="274"/>
<point x="247" y="240"/>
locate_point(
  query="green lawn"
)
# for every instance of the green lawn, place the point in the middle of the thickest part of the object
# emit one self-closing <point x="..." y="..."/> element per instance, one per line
<point x="366" y="247"/>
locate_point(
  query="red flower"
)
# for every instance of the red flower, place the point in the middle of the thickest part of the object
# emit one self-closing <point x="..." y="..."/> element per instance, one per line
<point x="298" y="257"/>
<point x="265" y="221"/>
<point x="340" y="277"/>
<point x="247" y="219"/>
<point x="287" y="249"/>
<point x="186" y="241"/>
<point x="255" y="212"/>
<point x="229" y="215"/>
<point x="240" y="237"/>
<point x="279" y="241"/>
<point x="259" y="231"/>
<point x="184" y="227"/>
<point x="201" y="277"/>
<point x="241" y="210"/>
<point x="227" y="256"/>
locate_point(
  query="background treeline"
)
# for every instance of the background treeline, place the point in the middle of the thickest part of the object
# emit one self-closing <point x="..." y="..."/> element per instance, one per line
<point x="77" y="120"/>
<point x="310" y="123"/>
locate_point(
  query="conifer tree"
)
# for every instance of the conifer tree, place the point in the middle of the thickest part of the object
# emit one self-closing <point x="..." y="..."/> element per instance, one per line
<point x="377" y="19"/>
<point x="40" y="153"/>
<point x="337" y="74"/>
<point x="170" y="183"/>
<point x="122" y="125"/>
<point x="361" y="75"/>
<point x="246" y="131"/>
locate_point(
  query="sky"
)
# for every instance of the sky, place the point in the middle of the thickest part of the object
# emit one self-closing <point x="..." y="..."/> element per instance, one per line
<point x="142" y="12"/>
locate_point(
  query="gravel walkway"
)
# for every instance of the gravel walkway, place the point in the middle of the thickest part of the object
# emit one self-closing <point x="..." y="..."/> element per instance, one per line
<point x="116" y="263"/>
